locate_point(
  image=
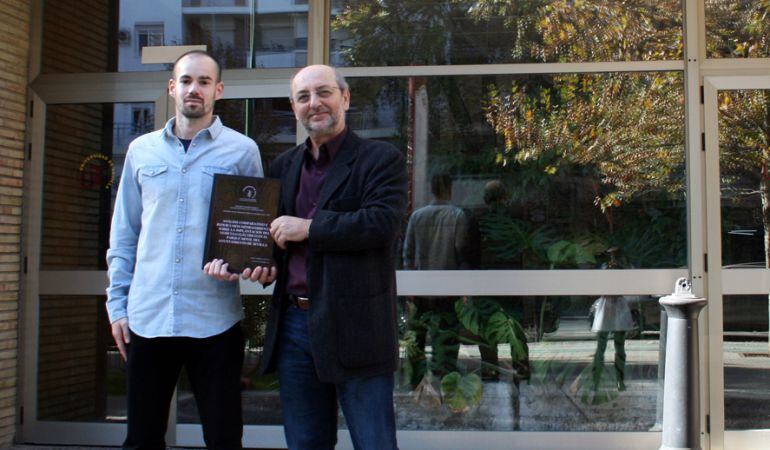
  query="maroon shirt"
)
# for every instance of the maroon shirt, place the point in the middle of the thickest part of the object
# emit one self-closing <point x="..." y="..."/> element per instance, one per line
<point x="305" y="203"/>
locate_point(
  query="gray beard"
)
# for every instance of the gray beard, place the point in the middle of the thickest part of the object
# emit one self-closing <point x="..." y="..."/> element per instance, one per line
<point x="323" y="130"/>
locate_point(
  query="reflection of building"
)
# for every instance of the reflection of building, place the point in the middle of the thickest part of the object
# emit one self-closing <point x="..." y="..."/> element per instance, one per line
<point x="279" y="31"/>
<point x="279" y="40"/>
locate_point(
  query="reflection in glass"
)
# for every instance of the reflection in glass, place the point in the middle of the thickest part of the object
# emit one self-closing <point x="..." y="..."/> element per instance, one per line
<point x="551" y="170"/>
<point x="269" y="121"/>
<point x="85" y="148"/>
<point x="375" y="33"/>
<point x="737" y="29"/>
<point x="745" y="182"/>
<point x="746" y="362"/>
<point x="78" y="37"/>
<point x="524" y="363"/>
<point x="261" y="404"/>
<point x="81" y="376"/>
<point x="494" y="364"/>
<point x="239" y="33"/>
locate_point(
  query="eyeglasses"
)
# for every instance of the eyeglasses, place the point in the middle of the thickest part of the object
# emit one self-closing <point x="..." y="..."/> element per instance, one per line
<point x="323" y="92"/>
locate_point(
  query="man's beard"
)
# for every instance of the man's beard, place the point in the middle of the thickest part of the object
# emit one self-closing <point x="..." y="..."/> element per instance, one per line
<point x="321" y="129"/>
<point x="193" y="112"/>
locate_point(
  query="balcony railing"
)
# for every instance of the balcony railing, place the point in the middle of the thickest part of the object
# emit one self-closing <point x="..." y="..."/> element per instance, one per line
<point x="210" y="3"/>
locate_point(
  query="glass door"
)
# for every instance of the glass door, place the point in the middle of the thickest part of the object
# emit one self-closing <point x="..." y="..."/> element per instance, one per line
<point x="737" y="124"/>
<point x="74" y="377"/>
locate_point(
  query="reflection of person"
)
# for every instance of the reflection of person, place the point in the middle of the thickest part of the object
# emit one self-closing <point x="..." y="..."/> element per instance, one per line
<point x="437" y="234"/>
<point x="496" y="202"/>
<point x="437" y="238"/>
<point x="611" y="315"/>
<point x="331" y="331"/>
<point x="165" y="313"/>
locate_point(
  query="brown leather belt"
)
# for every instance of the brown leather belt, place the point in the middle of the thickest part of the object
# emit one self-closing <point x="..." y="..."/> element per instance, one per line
<point x="300" y="302"/>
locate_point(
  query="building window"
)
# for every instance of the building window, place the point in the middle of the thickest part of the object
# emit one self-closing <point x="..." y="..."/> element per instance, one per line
<point x="148" y="36"/>
<point x="143" y="120"/>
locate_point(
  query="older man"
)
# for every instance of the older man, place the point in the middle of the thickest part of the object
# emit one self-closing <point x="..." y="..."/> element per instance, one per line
<point x="331" y="333"/>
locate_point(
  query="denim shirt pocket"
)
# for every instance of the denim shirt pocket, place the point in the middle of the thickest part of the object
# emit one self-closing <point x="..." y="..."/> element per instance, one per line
<point x="207" y="178"/>
<point x="153" y="180"/>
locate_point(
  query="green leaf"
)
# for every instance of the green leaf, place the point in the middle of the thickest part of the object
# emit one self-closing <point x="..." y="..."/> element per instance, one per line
<point x="460" y="393"/>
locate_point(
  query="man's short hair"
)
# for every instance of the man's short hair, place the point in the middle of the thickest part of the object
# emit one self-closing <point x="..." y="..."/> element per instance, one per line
<point x="201" y="53"/>
<point x="495" y="192"/>
<point x="441" y="186"/>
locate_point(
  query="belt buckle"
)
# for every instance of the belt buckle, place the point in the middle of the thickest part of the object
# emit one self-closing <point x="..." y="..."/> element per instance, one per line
<point x="303" y="303"/>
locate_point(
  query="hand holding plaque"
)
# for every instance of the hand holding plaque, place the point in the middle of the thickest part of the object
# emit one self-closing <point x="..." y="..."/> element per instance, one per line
<point x="240" y="213"/>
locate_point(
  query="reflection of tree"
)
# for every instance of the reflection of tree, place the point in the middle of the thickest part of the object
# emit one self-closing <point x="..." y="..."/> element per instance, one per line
<point x="494" y="31"/>
<point x="738" y="28"/>
<point x="626" y="130"/>
<point x="429" y="32"/>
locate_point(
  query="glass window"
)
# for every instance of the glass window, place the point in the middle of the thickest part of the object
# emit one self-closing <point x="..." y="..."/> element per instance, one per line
<point x="535" y="172"/>
<point x="239" y="33"/>
<point x="148" y="36"/>
<point x="82" y="36"/>
<point x="743" y="161"/>
<point x="737" y="29"/>
<point x="269" y="121"/>
<point x="81" y="376"/>
<point x="500" y="364"/>
<point x="85" y="148"/>
<point x="376" y="33"/>
<point x="746" y="362"/>
<point x="529" y="363"/>
<point x="261" y="404"/>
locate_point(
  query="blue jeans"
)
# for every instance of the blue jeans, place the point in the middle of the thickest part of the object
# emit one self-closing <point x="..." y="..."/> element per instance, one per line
<point x="310" y="406"/>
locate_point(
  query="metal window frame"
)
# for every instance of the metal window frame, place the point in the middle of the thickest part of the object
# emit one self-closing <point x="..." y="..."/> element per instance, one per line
<point x="724" y="281"/>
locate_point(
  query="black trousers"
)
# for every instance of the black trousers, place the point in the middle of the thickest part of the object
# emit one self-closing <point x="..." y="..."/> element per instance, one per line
<point x="213" y="366"/>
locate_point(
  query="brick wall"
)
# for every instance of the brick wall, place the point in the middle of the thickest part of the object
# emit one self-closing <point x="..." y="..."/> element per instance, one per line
<point x="14" y="57"/>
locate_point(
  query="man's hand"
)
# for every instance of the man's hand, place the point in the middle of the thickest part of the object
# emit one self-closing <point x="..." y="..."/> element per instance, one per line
<point x="262" y="275"/>
<point x="287" y="229"/>
<point x="218" y="269"/>
<point x="121" y="335"/>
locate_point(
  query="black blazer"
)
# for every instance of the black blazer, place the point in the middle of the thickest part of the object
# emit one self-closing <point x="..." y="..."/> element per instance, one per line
<point x="352" y="259"/>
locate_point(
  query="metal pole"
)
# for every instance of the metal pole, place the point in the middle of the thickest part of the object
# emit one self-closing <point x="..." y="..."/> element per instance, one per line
<point x="661" y="370"/>
<point x="681" y="394"/>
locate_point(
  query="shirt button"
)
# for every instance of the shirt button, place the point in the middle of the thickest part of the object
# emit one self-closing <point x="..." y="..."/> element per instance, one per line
<point x="184" y="170"/>
<point x="176" y="292"/>
<point x="181" y="200"/>
<point x="177" y="260"/>
<point x="178" y="230"/>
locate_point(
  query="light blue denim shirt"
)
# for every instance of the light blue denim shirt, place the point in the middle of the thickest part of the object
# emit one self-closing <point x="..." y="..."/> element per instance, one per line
<point x="158" y="232"/>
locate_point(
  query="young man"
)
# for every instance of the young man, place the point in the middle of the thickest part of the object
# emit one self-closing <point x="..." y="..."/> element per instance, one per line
<point x="165" y="312"/>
